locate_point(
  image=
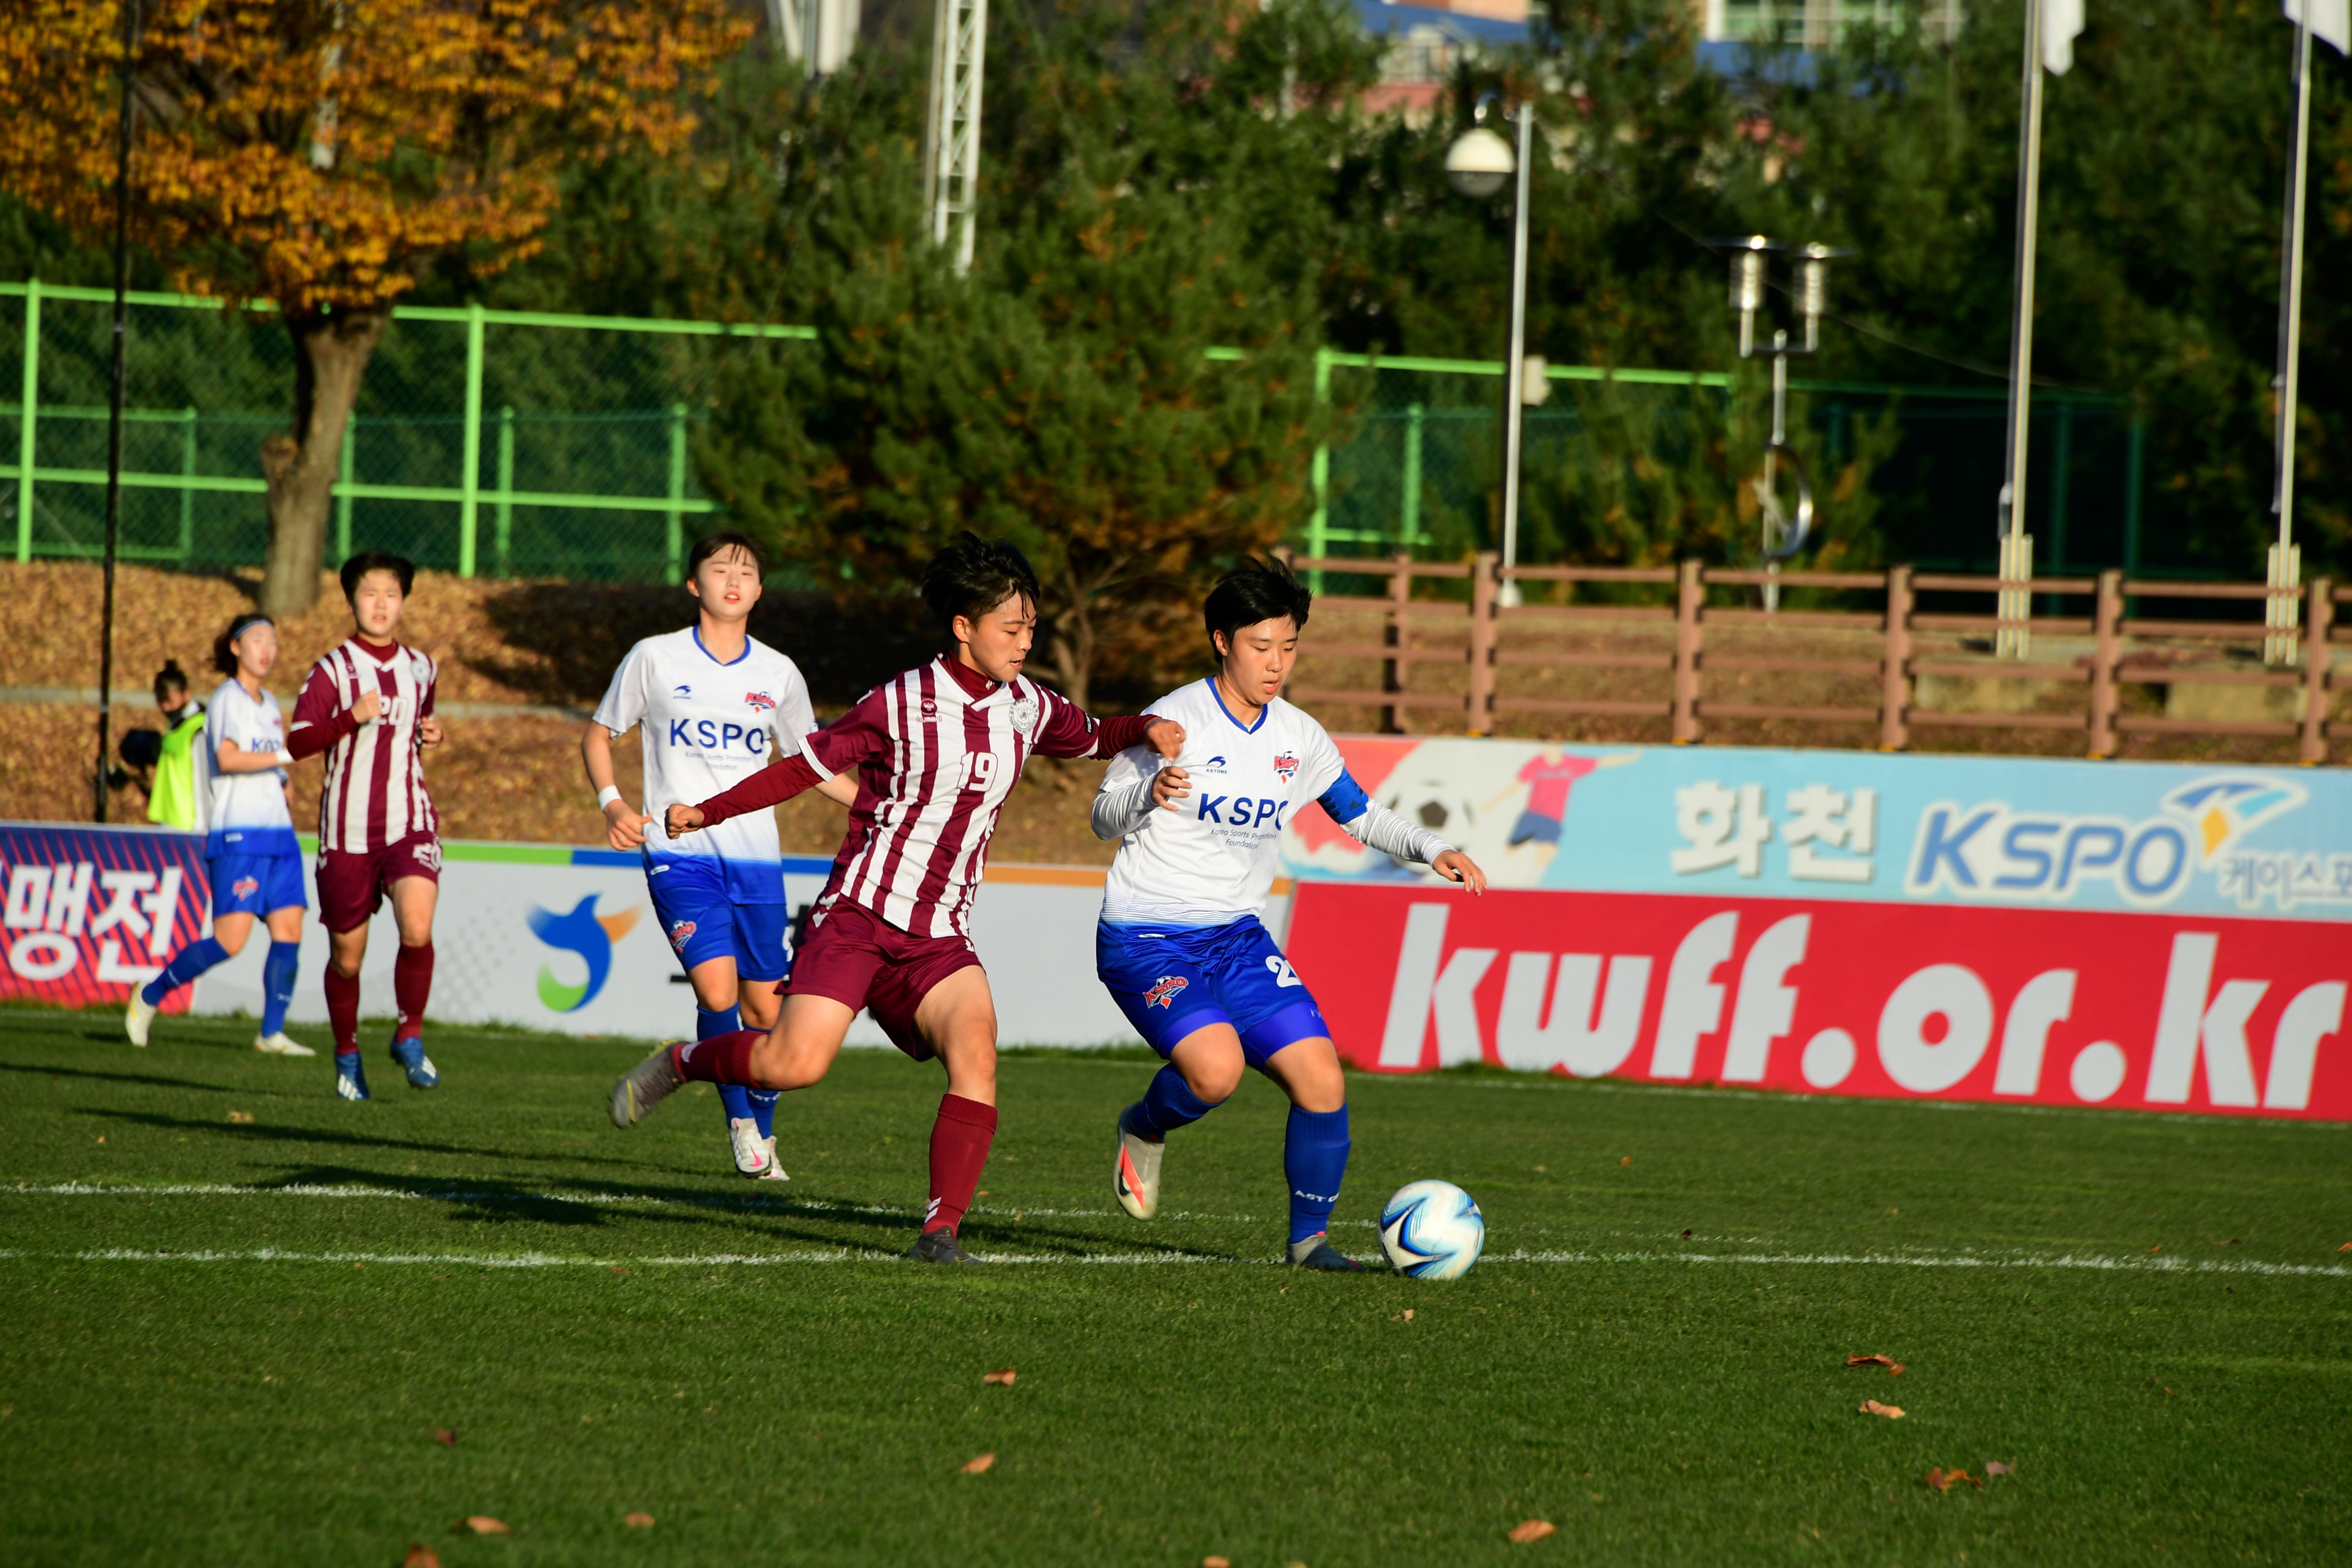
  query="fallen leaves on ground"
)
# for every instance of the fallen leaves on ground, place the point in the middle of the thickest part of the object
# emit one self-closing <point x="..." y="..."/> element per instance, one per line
<point x="1532" y="1530"/>
<point x="448" y="1437"/>
<point x="2157" y="1248"/>
<point x="1216" y="1563"/>
<point x="1403" y="1317"/>
<point x="639" y="1520"/>
<point x="977" y="1466"/>
<point x="2345" y="1248"/>
<point x="242" y="1117"/>
<point x="616" y="1269"/>
<point x="421" y="1556"/>
<point x="1625" y="1160"/>
<point x="1872" y="1407"/>
<point x="1942" y="1479"/>
<point x="1003" y="1374"/>
<point x="1894" y="1368"/>
<point x="1995" y="1468"/>
<point x="483" y="1524"/>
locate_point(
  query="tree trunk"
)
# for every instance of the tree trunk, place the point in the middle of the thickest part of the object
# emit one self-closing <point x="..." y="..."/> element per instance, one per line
<point x="330" y="354"/>
<point x="1073" y="643"/>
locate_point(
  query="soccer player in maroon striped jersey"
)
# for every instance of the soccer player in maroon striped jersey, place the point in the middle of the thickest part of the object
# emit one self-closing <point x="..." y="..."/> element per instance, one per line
<point x="369" y="706"/>
<point x="935" y="752"/>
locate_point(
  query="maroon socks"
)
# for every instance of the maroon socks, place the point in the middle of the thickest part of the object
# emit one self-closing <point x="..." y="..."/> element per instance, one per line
<point x="960" y="1141"/>
<point x="412" y="983"/>
<point x="723" y="1059"/>
<point x="343" y="1010"/>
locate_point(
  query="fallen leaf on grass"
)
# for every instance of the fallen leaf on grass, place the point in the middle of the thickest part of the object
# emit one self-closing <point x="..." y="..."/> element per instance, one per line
<point x="1872" y="1407"/>
<point x="1942" y="1479"/>
<point x="1995" y="1468"/>
<point x="1533" y="1529"/>
<point x="1403" y="1317"/>
<point x="1685" y="1236"/>
<point x="102" y="1137"/>
<point x="1625" y="1160"/>
<point x="2345" y="1248"/>
<point x="242" y="1117"/>
<point x="638" y="1520"/>
<point x="616" y="1269"/>
<point x="1894" y="1368"/>
<point x="977" y="1466"/>
<point x="1216" y="1563"/>
<point x="1003" y="1377"/>
<point x="448" y="1437"/>
<point x="2233" y="1241"/>
<point x="421" y="1556"/>
<point x="981" y="1194"/>
<point x="483" y="1524"/>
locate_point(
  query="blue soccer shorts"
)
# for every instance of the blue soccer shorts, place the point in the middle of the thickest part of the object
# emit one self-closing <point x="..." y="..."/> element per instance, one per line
<point x="255" y="884"/>
<point x="701" y="920"/>
<point x="1172" y="980"/>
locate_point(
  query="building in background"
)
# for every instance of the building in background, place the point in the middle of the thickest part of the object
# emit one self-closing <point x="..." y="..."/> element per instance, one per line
<point x="1428" y="42"/>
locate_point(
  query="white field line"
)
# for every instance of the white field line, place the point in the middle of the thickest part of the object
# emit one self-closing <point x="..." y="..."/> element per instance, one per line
<point x="2073" y="1261"/>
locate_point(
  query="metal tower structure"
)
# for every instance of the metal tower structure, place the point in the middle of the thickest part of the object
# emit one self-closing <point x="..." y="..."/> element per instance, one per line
<point x="952" y="139"/>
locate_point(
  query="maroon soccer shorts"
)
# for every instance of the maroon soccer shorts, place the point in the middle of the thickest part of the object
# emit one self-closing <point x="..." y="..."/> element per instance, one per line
<point x="352" y="883"/>
<point x="861" y="960"/>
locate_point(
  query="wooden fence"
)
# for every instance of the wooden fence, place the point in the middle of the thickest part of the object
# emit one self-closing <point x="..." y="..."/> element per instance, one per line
<point x="1940" y="656"/>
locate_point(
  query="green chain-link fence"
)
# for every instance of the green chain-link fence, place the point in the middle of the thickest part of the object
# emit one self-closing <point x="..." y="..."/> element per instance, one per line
<point x="511" y="444"/>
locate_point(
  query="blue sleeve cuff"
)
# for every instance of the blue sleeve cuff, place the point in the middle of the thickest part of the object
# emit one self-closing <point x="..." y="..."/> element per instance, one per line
<point x="1345" y="800"/>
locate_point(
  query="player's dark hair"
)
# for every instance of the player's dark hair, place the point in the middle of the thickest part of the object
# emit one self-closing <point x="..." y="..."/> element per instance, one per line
<point x="168" y="679"/>
<point x="368" y="561"/>
<point x="224" y="645"/>
<point x="719" y="544"/>
<point x="1252" y="592"/>
<point x="974" y="575"/>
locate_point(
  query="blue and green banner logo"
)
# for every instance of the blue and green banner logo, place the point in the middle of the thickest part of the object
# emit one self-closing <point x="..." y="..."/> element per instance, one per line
<point x="587" y="933"/>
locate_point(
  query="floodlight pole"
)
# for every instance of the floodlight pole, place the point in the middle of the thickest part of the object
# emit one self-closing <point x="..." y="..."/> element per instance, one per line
<point x="2016" y="553"/>
<point x="2279" y="617"/>
<point x="951" y="137"/>
<point x="1515" y="401"/>
<point x="114" y="402"/>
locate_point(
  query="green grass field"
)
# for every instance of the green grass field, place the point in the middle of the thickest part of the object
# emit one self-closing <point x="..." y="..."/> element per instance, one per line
<point x="233" y="1340"/>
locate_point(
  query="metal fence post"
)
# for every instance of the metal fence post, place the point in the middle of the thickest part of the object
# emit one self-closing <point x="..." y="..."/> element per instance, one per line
<point x="1483" y="585"/>
<point x="2106" y="651"/>
<point x="674" y="544"/>
<point x="1408" y="519"/>
<point x="1398" y="635"/>
<point x="1319" y="525"/>
<point x="468" y="505"/>
<point x="343" y="488"/>
<point x="506" y="489"/>
<point x="28" y="420"/>
<point x="1690" y="586"/>
<point x="1894" y="670"/>
<point x="2135" y="452"/>
<point x="187" y="491"/>
<point x="2319" y="611"/>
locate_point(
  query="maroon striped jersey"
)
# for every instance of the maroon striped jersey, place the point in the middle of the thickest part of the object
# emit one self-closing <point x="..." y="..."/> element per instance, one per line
<point x="935" y="752"/>
<point x="375" y="793"/>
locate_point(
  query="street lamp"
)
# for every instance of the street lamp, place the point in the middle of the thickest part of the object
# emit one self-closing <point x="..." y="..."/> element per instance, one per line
<point x="1476" y="166"/>
<point x="1784" y="532"/>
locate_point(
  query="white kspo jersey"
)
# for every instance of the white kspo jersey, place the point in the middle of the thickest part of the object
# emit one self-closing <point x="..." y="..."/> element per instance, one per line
<point x="706" y="725"/>
<point x="247" y="814"/>
<point x="1211" y="860"/>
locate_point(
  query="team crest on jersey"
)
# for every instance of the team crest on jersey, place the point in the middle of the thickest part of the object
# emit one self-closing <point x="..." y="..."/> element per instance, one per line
<point x="758" y="702"/>
<point x="246" y="887"/>
<point x="1286" y="767"/>
<point x="680" y="933"/>
<point x="1024" y="715"/>
<point x="1164" y="990"/>
<point x="931" y="709"/>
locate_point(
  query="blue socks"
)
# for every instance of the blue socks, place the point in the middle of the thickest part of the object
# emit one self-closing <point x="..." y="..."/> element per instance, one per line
<point x="1168" y="1104"/>
<point x="763" y="1108"/>
<point x="186" y="965"/>
<point x="277" y="983"/>
<point x="1314" y="1159"/>
<point x="734" y="1099"/>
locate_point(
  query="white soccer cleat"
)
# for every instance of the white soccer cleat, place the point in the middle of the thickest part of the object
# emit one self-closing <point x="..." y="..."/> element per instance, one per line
<point x="281" y="1044"/>
<point x="1135" y="1175"/>
<point x="753" y="1154"/>
<point x="774" y="1172"/>
<point x="141" y="1014"/>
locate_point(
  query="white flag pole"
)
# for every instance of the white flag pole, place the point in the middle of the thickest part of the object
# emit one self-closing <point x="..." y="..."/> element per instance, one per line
<point x="2281" y="611"/>
<point x="2016" y="561"/>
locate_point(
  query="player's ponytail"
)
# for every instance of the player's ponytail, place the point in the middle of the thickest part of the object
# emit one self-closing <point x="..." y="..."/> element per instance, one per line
<point x="169" y="681"/>
<point x="1252" y="592"/>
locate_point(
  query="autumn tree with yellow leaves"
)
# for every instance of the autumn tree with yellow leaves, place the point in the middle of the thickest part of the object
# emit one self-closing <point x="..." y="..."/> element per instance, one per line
<point x="315" y="156"/>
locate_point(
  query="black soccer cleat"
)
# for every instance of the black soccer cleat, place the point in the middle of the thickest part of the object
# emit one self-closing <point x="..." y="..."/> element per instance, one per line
<point x="938" y="1246"/>
<point x="1317" y="1252"/>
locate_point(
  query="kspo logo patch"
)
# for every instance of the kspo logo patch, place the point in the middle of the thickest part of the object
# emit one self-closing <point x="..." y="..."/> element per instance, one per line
<point x="1286" y="767"/>
<point x="758" y="702"/>
<point x="246" y="887"/>
<point x="1164" y="990"/>
<point x="680" y="933"/>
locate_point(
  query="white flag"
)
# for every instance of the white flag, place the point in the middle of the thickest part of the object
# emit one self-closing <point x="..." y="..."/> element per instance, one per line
<point x="2062" y="23"/>
<point x="2331" y="21"/>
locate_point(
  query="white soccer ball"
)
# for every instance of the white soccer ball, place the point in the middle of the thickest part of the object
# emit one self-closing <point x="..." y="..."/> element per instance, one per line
<point x="1433" y="1230"/>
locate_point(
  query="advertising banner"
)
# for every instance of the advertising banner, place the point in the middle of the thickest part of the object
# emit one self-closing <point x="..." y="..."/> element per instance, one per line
<point x="92" y="911"/>
<point x="2142" y="935"/>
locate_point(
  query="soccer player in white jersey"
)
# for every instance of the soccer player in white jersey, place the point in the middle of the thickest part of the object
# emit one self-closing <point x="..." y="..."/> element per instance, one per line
<point x="368" y="705"/>
<point x="251" y="855"/>
<point x="934" y="753"/>
<point x="713" y="704"/>
<point x="1181" y="947"/>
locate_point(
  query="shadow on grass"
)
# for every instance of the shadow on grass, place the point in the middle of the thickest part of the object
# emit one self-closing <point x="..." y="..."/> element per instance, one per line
<point x="146" y="1078"/>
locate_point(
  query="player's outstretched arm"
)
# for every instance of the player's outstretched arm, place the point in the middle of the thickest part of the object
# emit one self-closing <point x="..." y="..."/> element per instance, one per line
<point x="771" y="786"/>
<point x="1375" y="826"/>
